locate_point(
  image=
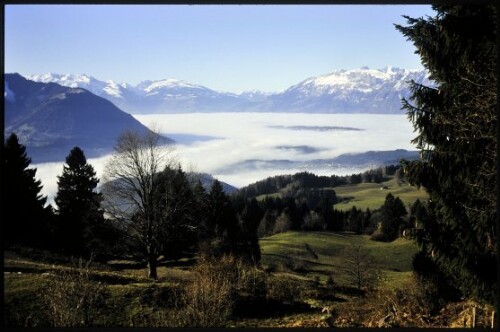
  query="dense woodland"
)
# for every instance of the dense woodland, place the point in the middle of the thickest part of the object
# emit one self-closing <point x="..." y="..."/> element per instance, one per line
<point x="150" y="211"/>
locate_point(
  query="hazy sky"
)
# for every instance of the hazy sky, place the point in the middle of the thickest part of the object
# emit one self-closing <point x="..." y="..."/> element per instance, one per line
<point x="226" y="48"/>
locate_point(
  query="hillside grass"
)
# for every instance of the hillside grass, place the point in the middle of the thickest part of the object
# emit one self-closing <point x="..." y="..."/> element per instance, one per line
<point x="320" y="254"/>
<point x="133" y="297"/>
<point x="305" y="259"/>
<point x="370" y="195"/>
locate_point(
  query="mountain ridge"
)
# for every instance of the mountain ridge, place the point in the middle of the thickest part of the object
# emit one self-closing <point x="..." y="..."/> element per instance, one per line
<point x="50" y="119"/>
<point x="361" y="90"/>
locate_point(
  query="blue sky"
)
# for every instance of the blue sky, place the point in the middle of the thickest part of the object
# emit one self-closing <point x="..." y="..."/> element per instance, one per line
<point x="226" y="48"/>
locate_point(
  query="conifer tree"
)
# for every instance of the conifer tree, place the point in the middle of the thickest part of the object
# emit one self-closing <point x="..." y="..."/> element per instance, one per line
<point x="221" y="216"/>
<point x="24" y="218"/>
<point x="78" y="204"/>
<point x="176" y="212"/>
<point x="456" y="123"/>
<point x="251" y="217"/>
<point x="393" y="212"/>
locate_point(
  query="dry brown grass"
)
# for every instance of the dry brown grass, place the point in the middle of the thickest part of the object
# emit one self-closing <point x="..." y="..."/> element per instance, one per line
<point x="72" y="299"/>
<point x="209" y="296"/>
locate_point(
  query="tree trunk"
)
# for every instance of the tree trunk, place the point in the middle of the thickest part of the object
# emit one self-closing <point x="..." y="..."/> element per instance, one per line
<point x="152" y="264"/>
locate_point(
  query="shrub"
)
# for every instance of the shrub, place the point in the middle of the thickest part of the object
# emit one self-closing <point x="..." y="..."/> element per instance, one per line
<point x="271" y="268"/>
<point x="161" y="297"/>
<point x="72" y="299"/>
<point x="284" y="290"/>
<point x="252" y="281"/>
<point x="330" y="282"/>
<point x="378" y="236"/>
<point x="209" y="297"/>
<point x="317" y="280"/>
<point x="250" y="292"/>
<point x="299" y="266"/>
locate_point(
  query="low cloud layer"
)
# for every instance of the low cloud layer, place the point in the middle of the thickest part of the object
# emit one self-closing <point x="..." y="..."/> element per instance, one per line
<point x="214" y="141"/>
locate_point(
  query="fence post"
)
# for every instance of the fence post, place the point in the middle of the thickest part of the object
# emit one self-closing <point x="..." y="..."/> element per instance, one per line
<point x="473" y="317"/>
<point x="493" y="319"/>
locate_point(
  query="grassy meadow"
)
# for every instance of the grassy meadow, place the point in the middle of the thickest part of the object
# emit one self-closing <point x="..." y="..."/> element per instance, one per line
<point x="301" y="275"/>
<point x="372" y="195"/>
<point x="321" y="254"/>
<point x="297" y="266"/>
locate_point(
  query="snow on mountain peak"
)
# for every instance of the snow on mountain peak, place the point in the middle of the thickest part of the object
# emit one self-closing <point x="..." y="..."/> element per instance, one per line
<point x="254" y="92"/>
<point x="69" y="80"/>
<point x="114" y="89"/>
<point x="169" y="83"/>
<point x="361" y="89"/>
<point x="362" y="79"/>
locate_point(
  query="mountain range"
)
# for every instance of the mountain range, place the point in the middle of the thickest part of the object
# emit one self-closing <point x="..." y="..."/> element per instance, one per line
<point x="368" y="160"/>
<point x="360" y="90"/>
<point x="50" y="119"/>
<point x="52" y="113"/>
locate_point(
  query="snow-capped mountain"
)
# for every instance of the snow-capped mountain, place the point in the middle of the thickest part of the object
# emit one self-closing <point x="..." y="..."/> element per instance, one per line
<point x="118" y="93"/>
<point x="160" y="96"/>
<point x="50" y="119"/>
<point x="361" y="90"/>
<point x="350" y="91"/>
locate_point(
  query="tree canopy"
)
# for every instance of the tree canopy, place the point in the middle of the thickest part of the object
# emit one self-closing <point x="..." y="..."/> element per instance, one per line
<point x="25" y="219"/>
<point x="456" y="123"/>
<point x="79" y="204"/>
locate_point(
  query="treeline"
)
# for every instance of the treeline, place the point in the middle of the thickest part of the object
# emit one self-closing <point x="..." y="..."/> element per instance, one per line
<point x="186" y="219"/>
<point x="170" y="214"/>
<point x="305" y="201"/>
<point x="313" y="210"/>
<point x="287" y="183"/>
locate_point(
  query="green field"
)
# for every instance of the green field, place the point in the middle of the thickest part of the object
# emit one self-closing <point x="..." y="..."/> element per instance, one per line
<point x="321" y="254"/>
<point x="304" y="258"/>
<point x="370" y="195"/>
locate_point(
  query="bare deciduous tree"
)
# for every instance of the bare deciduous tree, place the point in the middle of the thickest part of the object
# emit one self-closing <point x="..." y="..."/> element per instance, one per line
<point x="359" y="267"/>
<point x="129" y="191"/>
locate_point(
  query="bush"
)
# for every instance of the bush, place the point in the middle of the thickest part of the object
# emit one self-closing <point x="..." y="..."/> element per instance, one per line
<point x="379" y="236"/>
<point x="161" y="297"/>
<point x="250" y="292"/>
<point x="252" y="281"/>
<point x="298" y="266"/>
<point x="221" y="286"/>
<point x="209" y="297"/>
<point x="330" y="282"/>
<point x="284" y="290"/>
<point x="72" y="299"/>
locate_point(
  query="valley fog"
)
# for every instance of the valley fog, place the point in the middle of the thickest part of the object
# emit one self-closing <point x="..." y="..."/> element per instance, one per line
<point x="236" y="147"/>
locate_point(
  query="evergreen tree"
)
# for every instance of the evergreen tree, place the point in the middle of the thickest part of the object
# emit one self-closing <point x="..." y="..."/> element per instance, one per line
<point x="221" y="216"/>
<point x="337" y="221"/>
<point x="25" y="220"/>
<point x="393" y="212"/>
<point x="78" y="204"/>
<point x="456" y="123"/>
<point x="200" y="209"/>
<point x="248" y="246"/>
<point x="355" y="220"/>
<point x="366" y="219"/>
<point x="325" y="208"/>
<point x="175" y="210"/>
